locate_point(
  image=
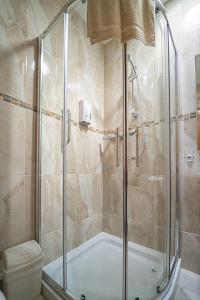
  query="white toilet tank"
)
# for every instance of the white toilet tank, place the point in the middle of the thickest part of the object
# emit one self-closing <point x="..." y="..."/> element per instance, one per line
<point x="22" y="271"/>
<point x="2" y="297"/>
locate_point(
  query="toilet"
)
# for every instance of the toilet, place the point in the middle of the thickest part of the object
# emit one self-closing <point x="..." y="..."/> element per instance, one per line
<point x="2" y="297"/>
<point x="22" y="272"/>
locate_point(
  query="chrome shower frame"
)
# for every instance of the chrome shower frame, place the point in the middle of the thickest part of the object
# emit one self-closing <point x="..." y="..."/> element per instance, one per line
<point x="170" y="269"/>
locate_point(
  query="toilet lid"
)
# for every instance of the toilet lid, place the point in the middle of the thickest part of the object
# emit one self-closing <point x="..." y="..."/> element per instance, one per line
<point x="2" y="297"/>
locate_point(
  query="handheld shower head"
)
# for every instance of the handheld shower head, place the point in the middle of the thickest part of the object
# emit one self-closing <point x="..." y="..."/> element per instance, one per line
<point x="133" y="74"/>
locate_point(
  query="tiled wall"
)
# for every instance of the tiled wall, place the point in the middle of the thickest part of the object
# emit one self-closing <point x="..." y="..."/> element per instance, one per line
<point x="98" y="204"/>
<point x="21" y="22"/>
<point x="113" y="117"/>
<point x="84" y="179"/>
<point x="185" y="23"/>
<point x="145" y="193"/>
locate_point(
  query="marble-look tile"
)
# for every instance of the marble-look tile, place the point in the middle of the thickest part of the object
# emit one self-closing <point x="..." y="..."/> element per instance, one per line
<point x="113" y="84"/>
<point x="141" y="232"/>
<point x="189" y="146"/>
<point x="190" y="204"/>
<point x="190" y="252"/>
<point x="190" y="10"/>
<point x="174" y="15"/>
<point x="159" y="238"/>
<point x="18" y="66"/>
<point x="53" y="72"/>
<point x="140" y="204"/>
<point x="113" y="193"/>
<point x="84" y="196"/>
<point x="12" y="212"/>
<point x="83" y="230"/>
<point x="79" y="196"/>
<point x="51" y="148"/>
<point x="110" y="156"/>
<point x="12" y="139"/>
<point x="86" y="71"/>
<point x="21" y="23"/>
<point x="188" y="88"/>
<point x="52" y="203"/>
<point x="113" y="223"/>
<point x="82" y="159"/>
<point x="52" y="245"/>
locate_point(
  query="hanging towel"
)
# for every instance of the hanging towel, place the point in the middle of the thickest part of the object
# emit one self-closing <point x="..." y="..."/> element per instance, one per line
<point x="121" y="19"/>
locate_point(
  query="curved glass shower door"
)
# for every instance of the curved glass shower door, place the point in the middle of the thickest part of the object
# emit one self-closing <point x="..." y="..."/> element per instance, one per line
<point x="51" y="151"/>
<point x="94" y="180"/>
<point x="108" y="217"/>
<point x="151" y="202"/>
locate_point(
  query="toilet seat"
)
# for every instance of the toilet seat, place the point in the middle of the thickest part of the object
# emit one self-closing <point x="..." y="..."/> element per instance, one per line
<point x="2" y="297"/>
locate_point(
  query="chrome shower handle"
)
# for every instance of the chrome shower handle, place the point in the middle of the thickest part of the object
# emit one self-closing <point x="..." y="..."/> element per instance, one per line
<point x="68" y="126"/>
<point x="117" y="146"/>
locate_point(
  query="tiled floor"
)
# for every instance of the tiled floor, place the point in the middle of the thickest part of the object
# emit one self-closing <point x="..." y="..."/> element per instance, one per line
<point x="188" y="287"/>
<point x="184" y="294"/>
<point x="41" y="298"/>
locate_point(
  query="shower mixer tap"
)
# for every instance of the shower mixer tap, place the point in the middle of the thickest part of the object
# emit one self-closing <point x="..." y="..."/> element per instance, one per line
<point x="136" y="133"/>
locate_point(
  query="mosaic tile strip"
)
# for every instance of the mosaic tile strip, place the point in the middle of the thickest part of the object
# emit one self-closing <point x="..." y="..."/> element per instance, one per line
<point x="20" y="103"/>
<point x="15" y="101"/>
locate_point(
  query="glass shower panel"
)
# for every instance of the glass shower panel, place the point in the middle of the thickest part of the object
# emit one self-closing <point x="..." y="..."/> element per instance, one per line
<point x="94" y="181"/>
<point x="173" y="144"/>
<point x="147" y="172"/>
<point x="51" y="151"/>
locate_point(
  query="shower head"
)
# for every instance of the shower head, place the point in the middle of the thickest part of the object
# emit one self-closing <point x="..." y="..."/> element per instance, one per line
<point x="133" y="74"/>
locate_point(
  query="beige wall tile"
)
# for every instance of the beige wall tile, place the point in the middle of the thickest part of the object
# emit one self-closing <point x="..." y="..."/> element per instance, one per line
<point x="51" y="159"/>
<point x="52" y="245"/>
<point x="52" y="203"/>
<point x="190" y="204"/>
<point x="113" y="223"/>
<point x="141" y="232"/>
<point x="190" y="252"/>
<point x="12" y="212"/>
<point x="12" y="139"/>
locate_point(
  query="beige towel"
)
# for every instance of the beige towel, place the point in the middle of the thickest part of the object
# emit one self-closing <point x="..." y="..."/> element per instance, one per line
<point x="121" y="19"/>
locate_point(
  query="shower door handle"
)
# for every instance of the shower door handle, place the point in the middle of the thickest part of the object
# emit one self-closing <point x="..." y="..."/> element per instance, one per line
<point x="68" y="126"/>
<point x="117" y="146"/>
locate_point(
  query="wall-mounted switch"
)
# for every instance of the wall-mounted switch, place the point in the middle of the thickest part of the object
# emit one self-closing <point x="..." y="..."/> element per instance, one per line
<point x="189" y="156"/>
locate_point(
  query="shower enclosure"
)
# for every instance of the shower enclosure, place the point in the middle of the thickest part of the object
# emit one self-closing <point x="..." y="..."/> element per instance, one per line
<point x="107" y="195"/>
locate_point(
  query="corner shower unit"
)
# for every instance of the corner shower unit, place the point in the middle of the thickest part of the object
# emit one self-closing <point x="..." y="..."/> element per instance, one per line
<point x="108" y="213"/>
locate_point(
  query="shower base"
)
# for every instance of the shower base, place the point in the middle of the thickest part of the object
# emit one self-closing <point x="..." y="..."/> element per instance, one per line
<point x="95" y="270"/>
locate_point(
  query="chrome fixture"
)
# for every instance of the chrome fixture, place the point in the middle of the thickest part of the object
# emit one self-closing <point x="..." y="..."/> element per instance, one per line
<point x="135" y="115"/>
<point x="115" y="137"/>
<point x="117" y="146"/>
<point x="133" y="74"/>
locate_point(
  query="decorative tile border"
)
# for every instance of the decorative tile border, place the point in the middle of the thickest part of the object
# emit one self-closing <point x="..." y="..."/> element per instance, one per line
<point x="51" y="114"/>
<point x="15" y="101"/>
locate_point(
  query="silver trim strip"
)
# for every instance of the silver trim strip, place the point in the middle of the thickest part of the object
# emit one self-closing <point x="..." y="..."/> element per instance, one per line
<point x="66" y="113"/>
<point x="125" y="177"/>
<point x="39" y="137"/>
<point x="57" y="17"/>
